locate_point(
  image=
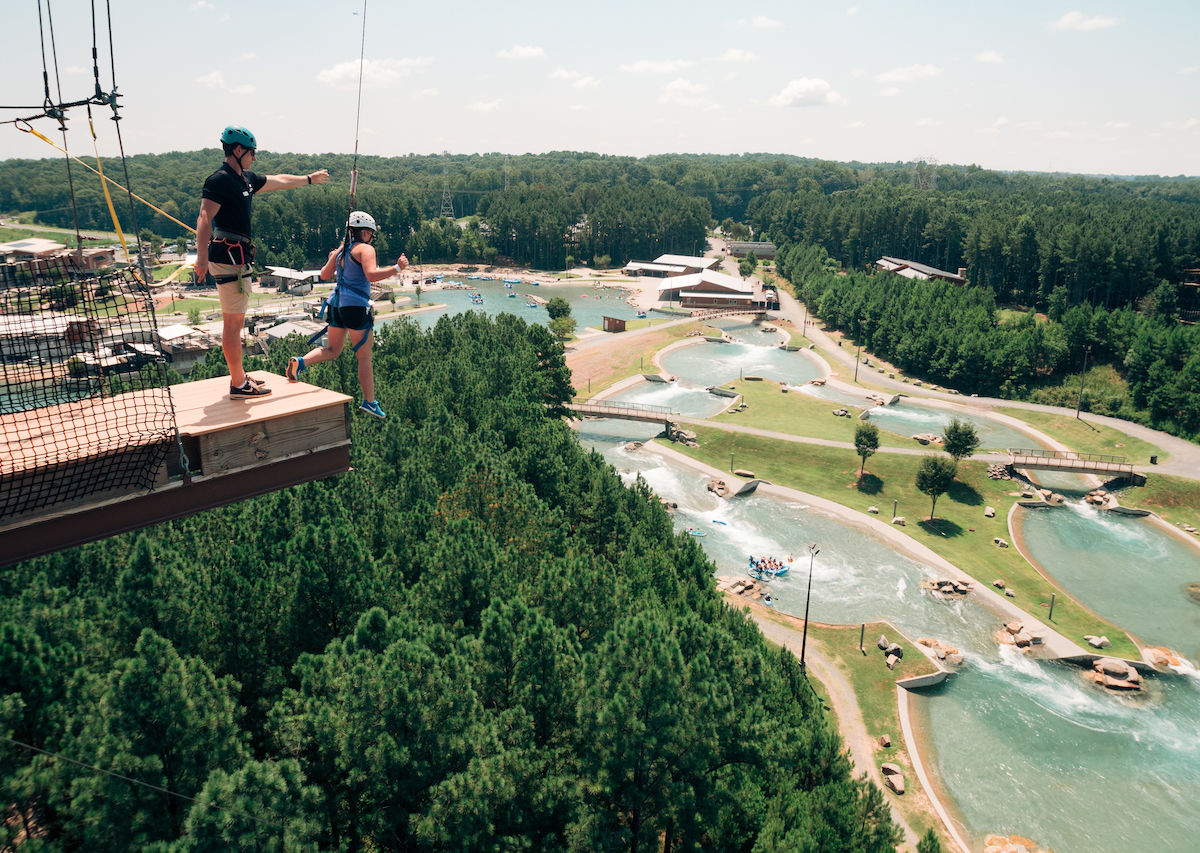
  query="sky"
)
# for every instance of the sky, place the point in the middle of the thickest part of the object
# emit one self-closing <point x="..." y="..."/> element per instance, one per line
<point x="1098" y="87"/>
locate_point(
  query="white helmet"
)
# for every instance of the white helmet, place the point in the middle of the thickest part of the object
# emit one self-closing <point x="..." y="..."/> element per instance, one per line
<point x="358" y="219"/>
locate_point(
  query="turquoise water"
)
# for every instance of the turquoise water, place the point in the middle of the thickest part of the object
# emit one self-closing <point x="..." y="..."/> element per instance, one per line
<point x="908" y="417"/>
<point x="1030" y="748"/>
<point x="1121" y="567"/>
<point x="1018" y="745"/>
<point x="589" y="305"/>
<point x="706" y="364"/>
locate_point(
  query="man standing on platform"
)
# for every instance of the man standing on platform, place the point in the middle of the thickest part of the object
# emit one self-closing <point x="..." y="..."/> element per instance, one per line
<point x="224" y="248"/>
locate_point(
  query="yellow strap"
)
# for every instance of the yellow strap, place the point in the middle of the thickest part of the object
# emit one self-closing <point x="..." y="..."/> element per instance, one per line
<point x="27" y="128"/>
<point x="108" y="198"/>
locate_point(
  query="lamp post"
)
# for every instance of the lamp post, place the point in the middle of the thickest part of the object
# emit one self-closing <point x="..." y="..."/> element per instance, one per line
<point x="858" y="356"/>
<point x="813" y="550"/>
<point x="1079" y="404"/>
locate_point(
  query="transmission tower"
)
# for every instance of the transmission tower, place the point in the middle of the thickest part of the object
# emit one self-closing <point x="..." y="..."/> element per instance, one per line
<point x="447" y="202"/>
<point x="925" y="173"/>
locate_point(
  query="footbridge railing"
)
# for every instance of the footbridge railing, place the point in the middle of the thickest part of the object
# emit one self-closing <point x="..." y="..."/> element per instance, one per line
<point x="1067" y="460"/>
<point x="706" y="313"/>
<point x="625" y="411"/>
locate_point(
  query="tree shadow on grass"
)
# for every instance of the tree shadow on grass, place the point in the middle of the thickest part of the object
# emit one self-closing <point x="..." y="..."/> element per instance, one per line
<point x="964" y="493"/>
<point x="869" y="484"/>
<point x="941" y="527"/>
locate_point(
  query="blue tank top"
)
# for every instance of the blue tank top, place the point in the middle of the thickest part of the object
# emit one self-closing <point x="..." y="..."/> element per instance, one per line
<point x="353" y="288"/>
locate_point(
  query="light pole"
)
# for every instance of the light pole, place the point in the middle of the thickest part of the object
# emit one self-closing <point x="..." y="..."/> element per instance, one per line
<point x="813" y="550"/>
<point x="1079" y="404"/>
<point x="857" y="359"/>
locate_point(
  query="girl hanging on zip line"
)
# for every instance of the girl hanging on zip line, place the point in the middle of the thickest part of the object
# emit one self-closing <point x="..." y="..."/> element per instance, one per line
<point x="350" y="306"/>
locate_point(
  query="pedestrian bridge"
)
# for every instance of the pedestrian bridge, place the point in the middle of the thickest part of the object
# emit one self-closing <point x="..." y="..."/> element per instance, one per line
<point x="706" y="313"/>
<point x="624" y="411"/>
<point x="1067" y="460"/>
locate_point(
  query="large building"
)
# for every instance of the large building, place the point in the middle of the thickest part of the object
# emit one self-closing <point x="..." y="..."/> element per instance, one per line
<point x="709" y="289"/>
<point x="912" y="269"/>
<point x="760" y="249"/>
<point x="666" y="266"/>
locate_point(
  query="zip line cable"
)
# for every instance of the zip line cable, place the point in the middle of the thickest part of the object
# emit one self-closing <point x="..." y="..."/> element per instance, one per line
<point x="362" y="53"/>
<point x="62" y="120"/>
<point x="206" y="803"/>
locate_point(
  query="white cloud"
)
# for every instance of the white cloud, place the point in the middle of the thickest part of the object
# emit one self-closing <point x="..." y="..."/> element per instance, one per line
<point x="1116" y="124"/>
<point x="927" y="121"/>
<point x="762" y="22"/>
<point x="1077" y="21"/>
<point x="486" y="106"/>
<point x="996" y="125"/>
<point x="73" y="69"/>
<point x="376" y="73"/>
<point x="852" y="11"/>
<point x="908" y="73"/>
<point x="578" y="79"/>
<point x="200" y="6"/>
<point x="683" y="93"/>
<point x="577" y="108"/>
<point x="246" y="57"/>
<point x="521" y="51"/>
<point x="1186" y="124"/>
<point x="1192" y="122"/>
<point x="806" y="92"/>
<point x="991" y="57"/>
<point x="657" y="66"/>
<point x="216" y="80"/>
<point x="1058" y="134"/>
<point x="1189" y="69"/>
<point x="736" y="54"/>
<point x="890" y="91"/>
<point x="855" y="124"/>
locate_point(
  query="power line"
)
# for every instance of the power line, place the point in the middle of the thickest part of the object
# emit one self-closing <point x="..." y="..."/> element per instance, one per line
<point x="211" y="805"/>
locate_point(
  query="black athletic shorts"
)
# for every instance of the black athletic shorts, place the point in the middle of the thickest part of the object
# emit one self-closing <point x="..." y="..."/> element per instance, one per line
<point x="354" y="317"/>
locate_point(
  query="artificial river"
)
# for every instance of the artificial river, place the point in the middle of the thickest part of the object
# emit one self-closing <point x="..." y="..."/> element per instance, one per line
<point x="1016" y="745"/>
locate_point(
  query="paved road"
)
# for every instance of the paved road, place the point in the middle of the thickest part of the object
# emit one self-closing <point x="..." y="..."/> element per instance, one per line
<point x="1184" y="455"/>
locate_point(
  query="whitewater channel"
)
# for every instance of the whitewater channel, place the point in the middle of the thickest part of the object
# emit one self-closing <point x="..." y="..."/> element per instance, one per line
<point x="1016" y="745"/>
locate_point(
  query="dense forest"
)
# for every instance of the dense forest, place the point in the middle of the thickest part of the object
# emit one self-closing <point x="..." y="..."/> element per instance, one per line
<point x="1104" y="260"/>
<point x="953" y="335"/>
<point x="480" y="638"/>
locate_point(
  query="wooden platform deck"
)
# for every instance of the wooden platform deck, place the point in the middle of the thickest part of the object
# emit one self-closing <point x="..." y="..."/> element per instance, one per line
<point x="235" y="449"/>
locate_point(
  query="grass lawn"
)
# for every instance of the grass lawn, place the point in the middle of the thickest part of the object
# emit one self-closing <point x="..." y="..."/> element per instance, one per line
<point x="1087" y="437"/>
<point x="182" y="306"/>
<point x="875" y="689"/>
<point x="796" y="413"/>
<point x="1012" y="316"/>
<point x="960" y="533"/>
<point x="1172" y="498"/>
<point x="9" y="234"/>
<point x="593" y="371"/>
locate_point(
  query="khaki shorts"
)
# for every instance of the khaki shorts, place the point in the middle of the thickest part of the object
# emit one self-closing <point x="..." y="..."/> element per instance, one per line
<point x="235" y="295"/>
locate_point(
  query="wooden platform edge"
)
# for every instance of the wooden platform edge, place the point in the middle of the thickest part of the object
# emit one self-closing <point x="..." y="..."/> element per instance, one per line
<point x="34" y="537"/>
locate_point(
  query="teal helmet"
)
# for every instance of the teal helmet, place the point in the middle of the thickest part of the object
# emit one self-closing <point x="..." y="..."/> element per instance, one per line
<point x="234" y="135"/>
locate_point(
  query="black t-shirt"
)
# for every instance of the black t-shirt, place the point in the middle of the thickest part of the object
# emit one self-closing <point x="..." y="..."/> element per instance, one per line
<point x="234" y="193"/>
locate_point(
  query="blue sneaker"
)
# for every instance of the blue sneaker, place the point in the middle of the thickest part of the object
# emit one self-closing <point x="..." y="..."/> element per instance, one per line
<point x="295" y="368"/>
<point x="371" y="407"/>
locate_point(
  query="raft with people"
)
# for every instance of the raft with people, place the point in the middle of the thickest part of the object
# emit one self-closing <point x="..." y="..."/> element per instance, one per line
<point x="771" y="567"/>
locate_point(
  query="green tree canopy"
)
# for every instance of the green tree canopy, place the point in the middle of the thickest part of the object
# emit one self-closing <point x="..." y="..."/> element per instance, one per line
<point x="935" y="476"/>
<point x="866" y="442"/>
<point x="960" y="439"/>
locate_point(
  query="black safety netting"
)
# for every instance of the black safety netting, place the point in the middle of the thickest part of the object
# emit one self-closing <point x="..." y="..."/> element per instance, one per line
<point x="84" y="403"/>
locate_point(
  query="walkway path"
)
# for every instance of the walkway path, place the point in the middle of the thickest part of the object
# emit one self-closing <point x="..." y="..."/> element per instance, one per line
<point x="1184" y="455"/>
<point x="842" y="700"/>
